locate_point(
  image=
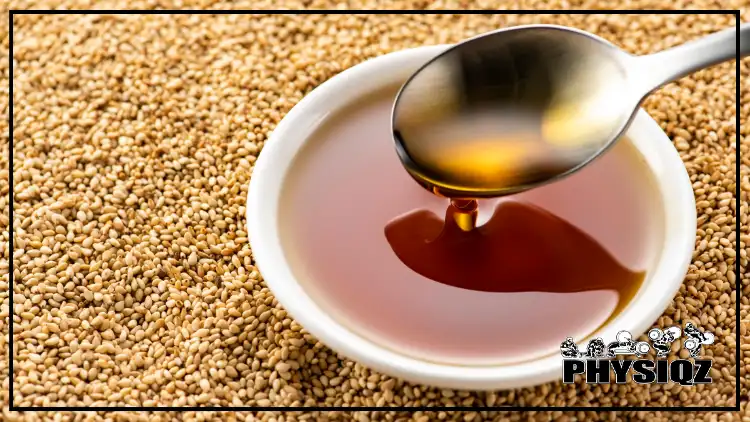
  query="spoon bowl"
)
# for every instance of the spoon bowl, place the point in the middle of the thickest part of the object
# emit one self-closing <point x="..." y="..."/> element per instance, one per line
<point x="512" y="109"/>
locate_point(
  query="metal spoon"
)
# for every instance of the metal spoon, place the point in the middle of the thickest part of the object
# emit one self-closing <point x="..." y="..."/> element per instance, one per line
<point x="520" y="107"/>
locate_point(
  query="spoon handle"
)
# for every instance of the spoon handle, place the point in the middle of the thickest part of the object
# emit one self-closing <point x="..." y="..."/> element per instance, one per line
<point x="658" y="69"/>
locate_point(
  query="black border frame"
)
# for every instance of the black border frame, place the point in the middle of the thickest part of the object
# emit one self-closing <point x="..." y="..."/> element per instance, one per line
<point x="738" y="281"/>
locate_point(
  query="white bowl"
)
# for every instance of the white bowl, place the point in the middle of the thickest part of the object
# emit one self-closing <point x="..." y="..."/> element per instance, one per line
<point x="663" y="277"/>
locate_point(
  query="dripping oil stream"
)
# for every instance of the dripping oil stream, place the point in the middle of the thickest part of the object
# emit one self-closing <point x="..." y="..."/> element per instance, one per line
<point x="522" y="248"/>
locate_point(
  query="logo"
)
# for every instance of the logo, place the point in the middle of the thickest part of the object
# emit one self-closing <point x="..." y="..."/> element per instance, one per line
<point x="598" y="360"/>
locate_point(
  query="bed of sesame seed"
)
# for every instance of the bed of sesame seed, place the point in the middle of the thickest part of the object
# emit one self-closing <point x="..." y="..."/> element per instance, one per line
<point x="134" y="140"/>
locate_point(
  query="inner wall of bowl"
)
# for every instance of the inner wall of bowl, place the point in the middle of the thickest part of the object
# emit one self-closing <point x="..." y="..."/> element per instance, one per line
<point x="339" y="194"/>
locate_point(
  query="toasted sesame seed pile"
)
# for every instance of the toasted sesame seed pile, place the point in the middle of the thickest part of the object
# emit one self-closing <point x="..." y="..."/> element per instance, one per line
<point x="134" y="141"/>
